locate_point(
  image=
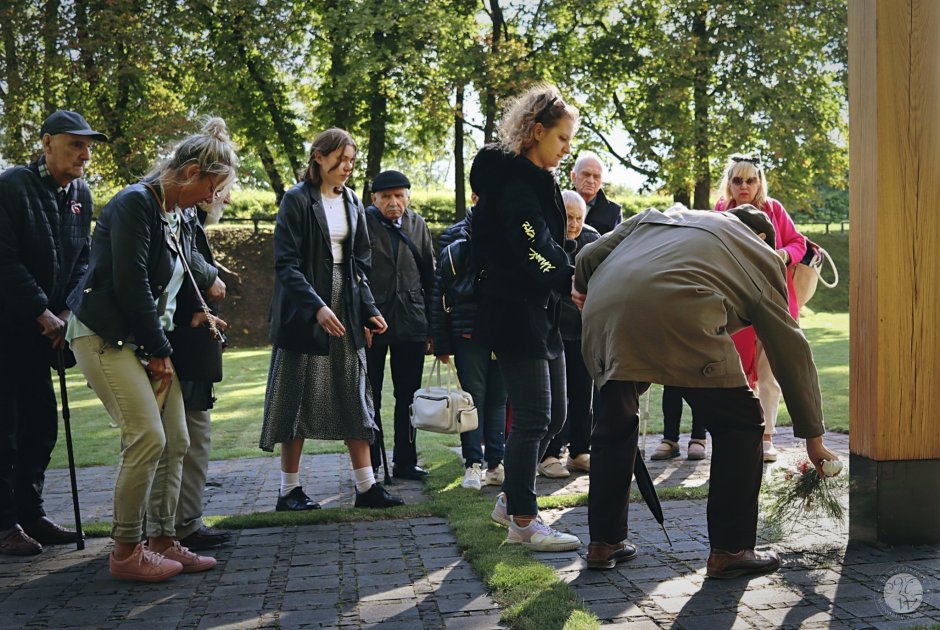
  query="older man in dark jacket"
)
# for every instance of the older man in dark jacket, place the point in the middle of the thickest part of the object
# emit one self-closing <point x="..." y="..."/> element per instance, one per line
<point x="587" y="176"/>
<point x="402" y="280"/>
<point x="45" y="219"/>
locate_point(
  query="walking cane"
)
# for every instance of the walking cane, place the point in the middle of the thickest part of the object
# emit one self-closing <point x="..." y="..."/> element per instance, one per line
<point x="80" y="543"/>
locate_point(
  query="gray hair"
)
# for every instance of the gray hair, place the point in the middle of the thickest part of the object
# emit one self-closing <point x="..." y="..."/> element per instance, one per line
<point x="570" y="196"/>
<point x="586" y="156"/>
<point x="211" y="148"/>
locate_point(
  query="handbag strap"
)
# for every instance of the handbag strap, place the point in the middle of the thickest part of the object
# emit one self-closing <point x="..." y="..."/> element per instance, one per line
<point x="451" y="375"/>
<point x="189" y="272"/>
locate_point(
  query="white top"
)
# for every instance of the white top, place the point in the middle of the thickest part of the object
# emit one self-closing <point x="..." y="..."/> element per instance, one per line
<point x="335" y="210"/>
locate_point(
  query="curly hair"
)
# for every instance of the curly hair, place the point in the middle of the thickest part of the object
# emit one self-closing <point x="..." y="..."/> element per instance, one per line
<point x="744" y="165"/>
<point x="542" y="103"/>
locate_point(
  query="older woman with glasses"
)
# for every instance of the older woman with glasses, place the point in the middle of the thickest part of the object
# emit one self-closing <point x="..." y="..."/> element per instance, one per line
<point x="744" y="182"/>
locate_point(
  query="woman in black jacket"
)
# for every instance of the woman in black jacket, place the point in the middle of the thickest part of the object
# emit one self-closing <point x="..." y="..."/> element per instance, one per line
<point x="518" y="237"/>
<point x="120" y="312"/>
<point x="317" y="383"/>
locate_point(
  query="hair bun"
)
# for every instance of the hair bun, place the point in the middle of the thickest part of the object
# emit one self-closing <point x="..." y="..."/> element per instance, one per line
<point x="215" y="127"/>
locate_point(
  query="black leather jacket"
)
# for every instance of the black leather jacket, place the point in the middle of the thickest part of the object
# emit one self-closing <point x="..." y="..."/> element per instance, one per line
<point x="303" y="266"/>
<point x="130" y="265"/>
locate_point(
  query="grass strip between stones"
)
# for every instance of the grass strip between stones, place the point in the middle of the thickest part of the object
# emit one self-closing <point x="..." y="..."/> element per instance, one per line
<point x="529" y="592"/>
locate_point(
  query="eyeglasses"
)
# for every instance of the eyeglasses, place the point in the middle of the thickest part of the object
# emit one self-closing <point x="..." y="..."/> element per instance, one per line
<point x="740" y="181"/>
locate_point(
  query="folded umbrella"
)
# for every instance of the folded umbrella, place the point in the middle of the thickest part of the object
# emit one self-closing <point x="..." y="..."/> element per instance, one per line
<point x="644" y="484"/>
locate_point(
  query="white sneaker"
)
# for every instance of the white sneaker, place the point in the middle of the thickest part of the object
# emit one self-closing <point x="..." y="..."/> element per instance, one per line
<point x="538" y="536"/>
<point x="496" y="476"/>
<point x="552" y="468"/>
<point x="499" y="513"/>
<point x="473" y="477"/>
<point x="770" y="453"/>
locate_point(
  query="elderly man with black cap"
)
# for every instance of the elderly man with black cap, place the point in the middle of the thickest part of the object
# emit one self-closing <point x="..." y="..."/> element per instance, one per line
<point x="45" y="220"/>
<point x="664" y="292"/>
<point x="402" y="278"/>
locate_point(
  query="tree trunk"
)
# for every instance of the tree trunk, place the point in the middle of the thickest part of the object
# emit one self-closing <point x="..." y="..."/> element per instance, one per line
<point x="681" y="196"/>
<point x="15" y="148"/>
<point x="489" y="101"/>
<point x="700" y="161"/>
<point x="286" y="131"/>
<point x="50" y="36"/>
<point x="378" y="120"/>
<point x="460" y="192"/>
<point x="270" y="167"/>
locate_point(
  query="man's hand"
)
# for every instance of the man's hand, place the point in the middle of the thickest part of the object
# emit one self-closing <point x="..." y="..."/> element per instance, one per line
<point x="818" y="453"/>
<point x="378" y="324"/>
<point x="330" y="322"/>
<point x="443" y="358"/>
<point x="217" y="291"/>
<point x="50" y="326"/>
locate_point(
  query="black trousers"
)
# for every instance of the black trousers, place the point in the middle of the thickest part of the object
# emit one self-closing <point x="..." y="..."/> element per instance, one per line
<point x="733" y="417"/>
<point x="672" y="416"/>
<point x="29" y="422"/>
<point x="407" y="363"/>
<point x="579" y="421"/>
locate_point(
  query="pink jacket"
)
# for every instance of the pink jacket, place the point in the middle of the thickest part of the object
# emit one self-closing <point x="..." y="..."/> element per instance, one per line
<point x="790" y="239"/>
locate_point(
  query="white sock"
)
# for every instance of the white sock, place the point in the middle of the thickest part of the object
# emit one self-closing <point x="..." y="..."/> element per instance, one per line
<point x="365" y="478"/>
<point x="289" y="481"/>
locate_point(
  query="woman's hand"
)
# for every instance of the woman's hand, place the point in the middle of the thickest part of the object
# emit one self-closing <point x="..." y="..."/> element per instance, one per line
<point x="330" y="322"/>
<point x="377" y="324"/>
<point x="217" y="291"/>
<point x="200" y="319"/>
<point x="784" y="256"/>
<point x="818" y="453"/>
<point x="368" y="334"/>
<point x="160" y="369"/>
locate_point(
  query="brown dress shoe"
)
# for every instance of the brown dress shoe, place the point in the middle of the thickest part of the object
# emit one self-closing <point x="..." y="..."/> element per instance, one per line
<point x="48" y="533"/>
<point x="724" y="564"/>
<point x="15" y="542"/>
<point x="605" y="556"/>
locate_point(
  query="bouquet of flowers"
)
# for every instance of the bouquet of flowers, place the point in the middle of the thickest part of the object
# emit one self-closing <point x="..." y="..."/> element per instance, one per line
<point x="799" y="493"/>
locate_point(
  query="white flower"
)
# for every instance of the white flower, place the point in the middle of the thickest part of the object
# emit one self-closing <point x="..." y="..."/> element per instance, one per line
<point x="831" y="467"/>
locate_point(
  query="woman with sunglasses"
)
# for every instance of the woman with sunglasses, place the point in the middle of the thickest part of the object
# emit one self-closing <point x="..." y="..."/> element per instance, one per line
<point x="742" y="183"/>
<point x="517" y="240"/>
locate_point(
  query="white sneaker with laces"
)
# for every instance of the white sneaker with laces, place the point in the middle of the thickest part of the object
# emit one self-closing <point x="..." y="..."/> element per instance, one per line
<point x="499" y="513"/>
<point x="473" y="477"/>
<point x="770" y="453"/>
<point x="496" y="476"/>
<point x="538" y="536"/>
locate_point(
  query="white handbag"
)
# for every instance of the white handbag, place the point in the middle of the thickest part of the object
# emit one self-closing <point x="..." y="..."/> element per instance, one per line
<point x="441" y="409"/>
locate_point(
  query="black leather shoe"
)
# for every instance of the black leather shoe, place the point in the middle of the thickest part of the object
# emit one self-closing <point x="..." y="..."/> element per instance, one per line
<point x="377" y="497"/>
<point x="205" y="538"/>
<point x="296" y="501"/>
<point x="15" y="542"/>
<point x="415" y="473"/>
<point x="46" y="532"/>
<point x="724" y="564"/>
<point x="602" y="555"/>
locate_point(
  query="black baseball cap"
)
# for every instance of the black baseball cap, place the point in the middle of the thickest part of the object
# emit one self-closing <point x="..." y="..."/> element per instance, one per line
<point x="64" y="121"/>
<point x="390" y="179"/>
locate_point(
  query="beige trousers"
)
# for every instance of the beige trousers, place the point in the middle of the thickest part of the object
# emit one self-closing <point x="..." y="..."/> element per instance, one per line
<point x="195" y="468"/>
<point x="768" y="391"/>
<point x="153" y="442"/>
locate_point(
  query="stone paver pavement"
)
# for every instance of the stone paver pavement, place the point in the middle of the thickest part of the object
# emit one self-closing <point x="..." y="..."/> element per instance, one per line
<point x="410" y="573"/>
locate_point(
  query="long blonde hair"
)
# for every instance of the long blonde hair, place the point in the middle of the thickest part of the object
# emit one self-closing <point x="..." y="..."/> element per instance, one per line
<point x="542" y="103"/>
<point x="744" y="165"/>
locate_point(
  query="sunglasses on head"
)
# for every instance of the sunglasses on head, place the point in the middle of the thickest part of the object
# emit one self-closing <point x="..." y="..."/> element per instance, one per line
<point x="540" y="118"/>
<point x="753" y="159"/>
<point x="740" y="181"/>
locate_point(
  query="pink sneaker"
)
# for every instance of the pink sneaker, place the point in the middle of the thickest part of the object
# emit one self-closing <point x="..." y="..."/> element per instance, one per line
<point x="143" y="565"/>
<point x="191" y="562"/>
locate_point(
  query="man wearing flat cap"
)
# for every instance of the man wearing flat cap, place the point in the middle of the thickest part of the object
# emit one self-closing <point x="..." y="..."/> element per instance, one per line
<point x="45" y="219"/>
<point x="664" y="292"/>
<point x="402" y="277"/>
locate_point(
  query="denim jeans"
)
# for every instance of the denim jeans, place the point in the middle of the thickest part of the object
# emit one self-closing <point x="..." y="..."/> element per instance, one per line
<point x="480" y="377"/>
<point x="153" y="441"/>
<point x="536" y="389"/>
